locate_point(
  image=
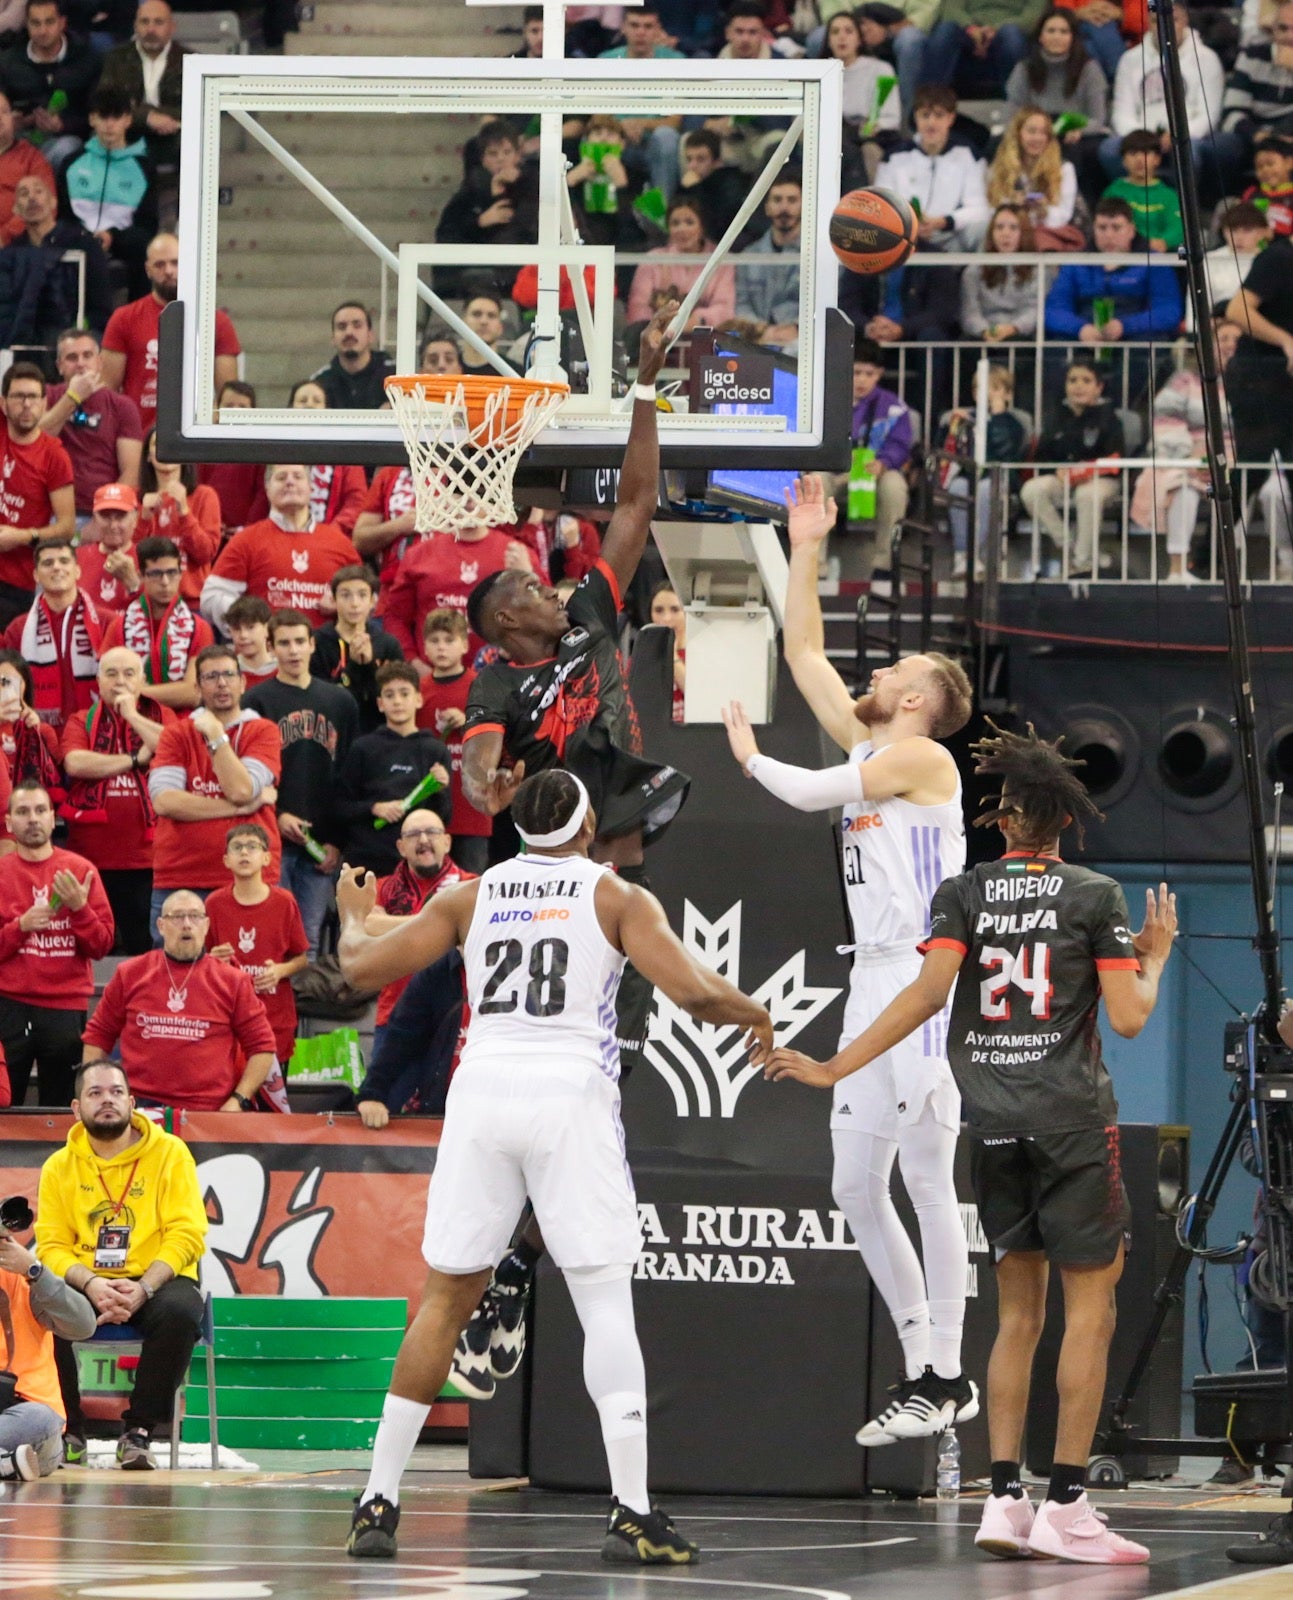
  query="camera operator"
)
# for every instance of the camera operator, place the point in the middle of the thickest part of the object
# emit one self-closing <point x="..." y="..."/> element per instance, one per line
<point x="35" y="1304"/>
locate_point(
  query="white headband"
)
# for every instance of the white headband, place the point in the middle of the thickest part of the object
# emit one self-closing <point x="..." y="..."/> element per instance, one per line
<point x="567" y="831"/>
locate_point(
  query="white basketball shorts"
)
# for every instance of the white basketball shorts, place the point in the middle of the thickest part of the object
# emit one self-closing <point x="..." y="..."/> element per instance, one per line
<point x="549" y="1130"/>
<point x="911" y="1080"/>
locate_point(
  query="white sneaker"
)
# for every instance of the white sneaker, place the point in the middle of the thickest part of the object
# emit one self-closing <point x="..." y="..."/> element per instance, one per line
<point x="1005" y="1525"/>
<point x="1183" y="576"/>
<point x="1078" y="1532"/>
<point x="20" y="1462"/>
<point x="960" y="564"/>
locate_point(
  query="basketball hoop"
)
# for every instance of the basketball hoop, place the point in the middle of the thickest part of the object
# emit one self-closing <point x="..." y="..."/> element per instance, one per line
<point x="464" y="437"/>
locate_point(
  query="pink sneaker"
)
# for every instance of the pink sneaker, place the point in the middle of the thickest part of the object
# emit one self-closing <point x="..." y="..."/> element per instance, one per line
<point x="1005" y="1525"/>
<point x="1079" y="1533"/>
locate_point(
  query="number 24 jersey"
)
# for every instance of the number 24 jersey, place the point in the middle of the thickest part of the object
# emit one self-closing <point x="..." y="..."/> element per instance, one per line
<point x="1024" y="1044"/>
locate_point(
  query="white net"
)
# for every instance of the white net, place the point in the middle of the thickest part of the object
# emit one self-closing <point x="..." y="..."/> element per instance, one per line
<point x="463" y="450"/>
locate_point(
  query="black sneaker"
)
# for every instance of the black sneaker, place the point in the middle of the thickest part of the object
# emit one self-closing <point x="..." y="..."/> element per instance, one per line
<point x="507" y="1336"/>
<point x="650" y="1541"/>
<point x="132" y="1452"/>
<point x="875" y="1433"/>
<point x="1274" y="1548"/>
<point x="471" y="1372"/>
<point x="372" y="1528"/>
<point x="74" y="1449"/>
<point x="1232" y="1474"/>
<point x="934" y="1405"/>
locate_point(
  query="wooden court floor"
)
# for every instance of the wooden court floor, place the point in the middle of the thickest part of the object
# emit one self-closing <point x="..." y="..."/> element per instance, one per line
<point x="104" y="1535"/>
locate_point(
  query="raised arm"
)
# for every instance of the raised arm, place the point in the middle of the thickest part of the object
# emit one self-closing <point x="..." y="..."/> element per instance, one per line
<point x="1130" y="994"/>
<point x="812" y="517"/>
<point x="371" y="962"/>
<point x="630" y="524"/>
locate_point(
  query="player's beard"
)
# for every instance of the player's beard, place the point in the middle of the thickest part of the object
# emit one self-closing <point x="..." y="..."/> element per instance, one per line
<point x="870" y="713"/>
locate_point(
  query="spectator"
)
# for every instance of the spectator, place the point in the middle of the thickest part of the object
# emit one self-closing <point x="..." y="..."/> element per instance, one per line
<point x="897" y="33"/>
<point x="386" y="528"/>
<point x="483" y="314"/>
<point x="258" y="928"/>
<point x="1273" y="191"/>
<point x="54" y="922"/>
<point x="1155" y="208"/>
<point x="1086" y="428"/>
<point x="442" y="571"/>
<point x="1138" y="100"/>
<point x="946" y="179"/>
<point x="1058" y="77"/>
<point x="287" y="559"/>
<point x="643" y="37"/>
<point x="317" y="722"/>
<point x="110" y="818"/>
<point x="49" y="81"/>
<point x="746" y="36"/>
<point x="863" y="110"/>
<point x="1000" y="302"/>
<point x="38" y="500"/>
<point x="39" y="293"/>
<point x="148" y="71"/>
<point x="444" y="712"/>
<point x="531" y="36"/>
<point x="130" y="339"/>
<point x="59" y="637"/>
<point x="151" y="1280"/>
<point x="921" y="306"/>
<point x="654" y="286"/>
<point x="216" y="764"/>
<point x="237" y="485"/>
<point x="1146" y="302"/>
<point x="222" y="1045"/>
<point x="768" y="295"/>
<point x="1029" y="173"/>
<point x="31" y="749"/>
<point x="602" y="193"/>
<point x="497" y="203"/>
<point x="19" y="159"/>
<point x="1007" y="442"/>
<point x="337" y="494"/>
<point x="1100" y="27"/>
<point x="106" y="555"/>
<point x="651" y="153"/>
<point x="162" y="628"/>
<point x="441" y="354"/>
<point x="881" y="424"/>
<point x="247" y="623"/>
<point x="99" y="429"/>
<point x="349" y="650"/>
<point x="1258" y="99"/>
<point x="1166" y="498"/>
<point x="719" y="189"/>
<point x="39" y="1305"/>
<point x="977" y="44"/>
<point x="667" y="612"/>
<point x="1244" y="231"/>
<point x="176" y="506"/>
<point x="383" y="768"/>
<point x="1259" y="380"/>
<point x="693" y="26"/>
<point x="354" y="380"/>
<point x="110" y="187"/>
<point x="564" y="546"/>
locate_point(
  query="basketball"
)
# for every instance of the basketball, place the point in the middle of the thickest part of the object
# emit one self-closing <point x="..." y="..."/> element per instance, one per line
<point x="872" y="230"/>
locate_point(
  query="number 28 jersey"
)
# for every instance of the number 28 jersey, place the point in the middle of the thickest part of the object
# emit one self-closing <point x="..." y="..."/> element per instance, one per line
<point x="541" y="977"/>
<point x="1024" y="1044"/>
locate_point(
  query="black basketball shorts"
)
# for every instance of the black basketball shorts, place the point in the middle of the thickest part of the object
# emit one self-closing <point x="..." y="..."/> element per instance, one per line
<point x="1060" y="1193"/>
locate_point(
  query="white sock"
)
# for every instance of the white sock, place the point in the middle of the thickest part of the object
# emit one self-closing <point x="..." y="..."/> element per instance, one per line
<point x="913" y="1335"/>
<point x="926" y="1151"/>
<point x="614" y="1375"/>
<point x="946" y="1322"/>
<point x="397" y="1433"/>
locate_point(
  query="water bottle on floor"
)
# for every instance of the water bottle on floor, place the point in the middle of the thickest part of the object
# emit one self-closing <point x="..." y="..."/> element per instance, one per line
<point x="948" y="1477"/>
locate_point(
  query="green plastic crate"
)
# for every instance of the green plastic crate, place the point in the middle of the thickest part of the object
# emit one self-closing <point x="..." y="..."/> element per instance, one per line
<point x="373" y="1372"/>
<point x="329" y="1311"/>
<point x="277" y="1404"/>
<point x="299" y="1433"/>
<point x="306" y="1343"/>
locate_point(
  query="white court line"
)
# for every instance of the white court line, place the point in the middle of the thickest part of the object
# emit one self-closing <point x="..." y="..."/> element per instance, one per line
<point x="1251" y="1576"/>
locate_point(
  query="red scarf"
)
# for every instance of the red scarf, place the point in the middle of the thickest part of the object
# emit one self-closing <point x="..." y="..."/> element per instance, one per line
<point x="163" y="646"/>
<point x="50" y="638"/>
<point x="110" y="735"/>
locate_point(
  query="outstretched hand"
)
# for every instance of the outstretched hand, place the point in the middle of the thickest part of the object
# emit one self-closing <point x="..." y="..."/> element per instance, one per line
<point x="654" y="344"/>
<point x="812" y="515"/>
<point x="356" y="894"/>
<point x="503" y="784"/>
<point x="803" y="1069"/>
<point x="740" y="734"/>
<point x="1154" y="941"/>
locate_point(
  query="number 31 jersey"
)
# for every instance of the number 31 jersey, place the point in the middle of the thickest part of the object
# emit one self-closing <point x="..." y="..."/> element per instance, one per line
<point x="1024" y="1045"/>
<point x="541" y="977"/>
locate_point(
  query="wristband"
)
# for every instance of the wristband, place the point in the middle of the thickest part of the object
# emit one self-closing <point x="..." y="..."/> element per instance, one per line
<point x="213" y="747"/>
<point x="243" y="1100"/>
<point x="644" y="391"/>
<point x="148" y="1292"/>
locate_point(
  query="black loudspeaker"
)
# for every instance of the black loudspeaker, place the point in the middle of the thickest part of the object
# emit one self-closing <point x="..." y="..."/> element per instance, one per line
<point x="1155" y="1169"/>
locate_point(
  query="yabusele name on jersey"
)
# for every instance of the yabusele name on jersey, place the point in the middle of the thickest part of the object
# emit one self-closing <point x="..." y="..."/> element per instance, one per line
<point x="557" y="889"/>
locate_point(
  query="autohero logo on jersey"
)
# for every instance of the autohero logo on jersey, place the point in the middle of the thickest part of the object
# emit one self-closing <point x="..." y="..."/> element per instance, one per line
<point x="708" y="1065"/>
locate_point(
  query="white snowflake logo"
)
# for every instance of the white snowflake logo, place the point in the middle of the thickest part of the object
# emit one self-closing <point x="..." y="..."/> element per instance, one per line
<point x="684" y="1051"/>
<point x="300" y="560"/>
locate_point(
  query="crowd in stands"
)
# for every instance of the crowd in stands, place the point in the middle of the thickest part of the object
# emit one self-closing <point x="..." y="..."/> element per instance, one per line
<point x="218" y="682"/>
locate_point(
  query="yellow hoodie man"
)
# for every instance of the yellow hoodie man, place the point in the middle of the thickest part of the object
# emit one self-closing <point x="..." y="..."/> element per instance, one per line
<point x="121" y="1218"/>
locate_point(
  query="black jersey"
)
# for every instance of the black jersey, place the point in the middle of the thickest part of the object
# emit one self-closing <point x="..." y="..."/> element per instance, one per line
<point x="1024" y="1045"/>
<point x="573" y="710"/>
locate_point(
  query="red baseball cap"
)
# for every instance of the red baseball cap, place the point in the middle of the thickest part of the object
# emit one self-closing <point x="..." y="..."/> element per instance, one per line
<point x="116" y="497"/>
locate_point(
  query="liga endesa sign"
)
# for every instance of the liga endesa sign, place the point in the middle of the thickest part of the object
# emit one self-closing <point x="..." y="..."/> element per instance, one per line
<point x="299" y="1206"/>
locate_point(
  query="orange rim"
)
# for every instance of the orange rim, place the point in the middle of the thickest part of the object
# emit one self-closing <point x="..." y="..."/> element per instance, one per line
<point x="476" y="389"/>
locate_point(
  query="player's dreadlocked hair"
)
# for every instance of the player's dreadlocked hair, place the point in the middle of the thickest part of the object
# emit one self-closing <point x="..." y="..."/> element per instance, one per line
<point x="1042" y="783"/>
<point x="479" y="610"/>
<point x="545" y="802"/>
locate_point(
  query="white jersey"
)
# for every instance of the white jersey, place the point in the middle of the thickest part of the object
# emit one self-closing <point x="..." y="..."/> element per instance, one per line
<point x="541" y="977"/>
<point x="895" y="854"/>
